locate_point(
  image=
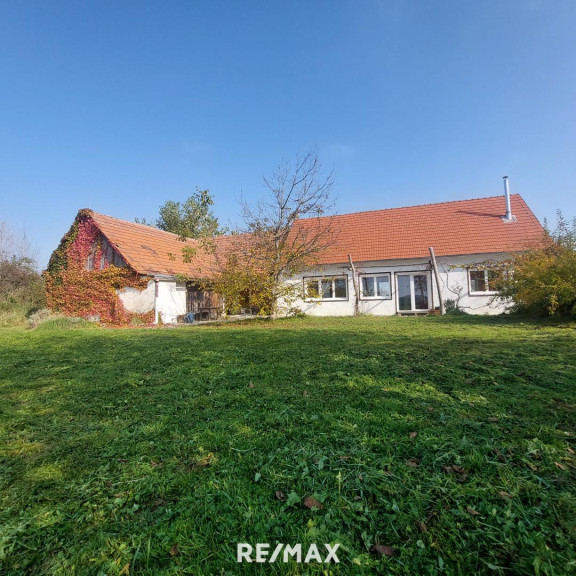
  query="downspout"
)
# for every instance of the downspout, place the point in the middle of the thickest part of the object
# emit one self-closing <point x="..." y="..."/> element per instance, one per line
<point x="156" y="314"/>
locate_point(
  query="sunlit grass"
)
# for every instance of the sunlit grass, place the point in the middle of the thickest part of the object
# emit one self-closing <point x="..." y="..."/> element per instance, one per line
<point x="450" y="440"/>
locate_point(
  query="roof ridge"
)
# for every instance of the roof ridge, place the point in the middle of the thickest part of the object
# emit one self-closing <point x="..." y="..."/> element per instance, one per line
<point x="148" y="227"/>
<point x="144" y="226"/>
<point x="415" y="206"/>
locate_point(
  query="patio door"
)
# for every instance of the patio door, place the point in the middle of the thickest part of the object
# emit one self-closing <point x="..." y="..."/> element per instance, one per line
<point x="412" y="292"/>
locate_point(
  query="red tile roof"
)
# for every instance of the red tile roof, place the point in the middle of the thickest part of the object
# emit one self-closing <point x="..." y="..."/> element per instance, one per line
<point x="451" y="228"/>
<point x="152" y="251"/>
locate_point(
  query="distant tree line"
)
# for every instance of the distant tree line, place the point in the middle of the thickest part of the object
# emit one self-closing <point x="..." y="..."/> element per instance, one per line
<point x="21" y="285"/>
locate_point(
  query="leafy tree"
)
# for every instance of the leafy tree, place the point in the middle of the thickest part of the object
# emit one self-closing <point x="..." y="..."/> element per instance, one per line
<point x="278" y="244"/>
<point x="543" y="280"/>
<point x="192" y="218"/>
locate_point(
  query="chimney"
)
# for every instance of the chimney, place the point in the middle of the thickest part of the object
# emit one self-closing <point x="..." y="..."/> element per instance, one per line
<point x="509" y="216"/>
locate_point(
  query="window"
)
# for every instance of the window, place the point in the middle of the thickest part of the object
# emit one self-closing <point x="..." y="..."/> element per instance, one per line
<point x="93" y="263"/>
<point x="484" y="281"/>
<point x="376" y="286"/>
<point x="412" y="291"/>
<point x="326" y="288"/>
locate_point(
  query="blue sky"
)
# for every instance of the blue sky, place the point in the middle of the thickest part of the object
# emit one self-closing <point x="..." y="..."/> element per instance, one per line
<point x="120" y="106"/>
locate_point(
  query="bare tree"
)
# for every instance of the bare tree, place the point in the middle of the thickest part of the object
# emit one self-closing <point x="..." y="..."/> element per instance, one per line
<point x="288" y="231"/>
<point x="14" y="247"/>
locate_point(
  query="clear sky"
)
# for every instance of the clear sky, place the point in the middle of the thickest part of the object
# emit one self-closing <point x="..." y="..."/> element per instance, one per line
<point x="120" y="106"/>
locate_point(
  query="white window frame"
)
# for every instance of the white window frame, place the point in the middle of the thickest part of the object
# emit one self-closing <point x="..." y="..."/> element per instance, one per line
<point x="375" y="275"/>
<point x="486" y="292"/>
<point x="319" y="279"/>
<point x="412" y="290"/>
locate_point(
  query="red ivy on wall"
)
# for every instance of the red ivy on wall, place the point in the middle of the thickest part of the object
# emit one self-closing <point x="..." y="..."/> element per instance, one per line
<point x="75" y="291"/>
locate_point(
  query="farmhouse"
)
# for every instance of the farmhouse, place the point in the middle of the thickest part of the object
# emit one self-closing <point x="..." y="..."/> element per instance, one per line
<point x="380" y="263"/>
<point x="117" y="271"/>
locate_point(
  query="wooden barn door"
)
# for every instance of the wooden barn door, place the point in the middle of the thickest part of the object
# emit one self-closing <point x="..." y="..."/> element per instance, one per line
<point x="194" y="297"/>
<point x="202" y="302"/>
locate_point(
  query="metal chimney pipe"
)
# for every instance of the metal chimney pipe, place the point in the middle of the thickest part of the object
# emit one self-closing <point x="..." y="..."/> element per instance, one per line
<point x="507" y="194"/>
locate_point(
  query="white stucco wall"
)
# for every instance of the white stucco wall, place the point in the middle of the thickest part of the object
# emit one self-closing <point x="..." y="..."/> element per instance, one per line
<point x="453" y="272"/>
<point x="170" y="301"/>
<point x="138" y="301"/>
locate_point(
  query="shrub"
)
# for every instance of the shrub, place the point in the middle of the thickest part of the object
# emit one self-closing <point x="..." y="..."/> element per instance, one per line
<point x="21" y="286"/>
<point x="39" y="317"/>
<point x="543" y="280"/>
<point x="452" y="308"/>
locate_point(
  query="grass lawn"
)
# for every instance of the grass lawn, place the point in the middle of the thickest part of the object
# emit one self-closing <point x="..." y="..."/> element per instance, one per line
<point x="155" y="451"/>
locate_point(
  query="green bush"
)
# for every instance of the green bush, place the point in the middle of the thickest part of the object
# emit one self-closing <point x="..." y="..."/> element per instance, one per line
<point x="543" y="280"/>
<point x="21" y="286"/>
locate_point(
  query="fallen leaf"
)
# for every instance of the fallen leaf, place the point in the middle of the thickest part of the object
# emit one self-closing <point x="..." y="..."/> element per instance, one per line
<point x="413" y="462"/>
<point x="311" y="503"/>
<point x="357" y="497"/>
<point x="421" y="526"/>
<point x="570" y="450"/>
<point x="251" y="385"/>
<point x="413" y="434"/>
<point x="448" y="469"/>
<point x="558" y="465"/>
<point x="120" y="495"/>
<point x="493" y="419"/>
<point x="472" y="511"/>
<point x="174" y="550"/>
<point x="382" y="549"/>
<point x="458" y="469"/>
<point x="505" y="494"/>
<point x="280" y="495"/>
<point x="123" y="460"/>
<point x="532" y="467"/>
<point x="430" y="409"/>
<point x="126" y="569"/>
<point x="462" y="477"/>
<point x="155" y="464"/>
<point x="206" y="461"/>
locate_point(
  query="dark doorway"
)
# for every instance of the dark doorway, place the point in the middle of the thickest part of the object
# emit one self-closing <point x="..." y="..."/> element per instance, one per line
<point x="204" y="304"/>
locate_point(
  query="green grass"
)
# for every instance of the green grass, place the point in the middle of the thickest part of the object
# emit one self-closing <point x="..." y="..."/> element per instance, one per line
<point x="155" y="451"/>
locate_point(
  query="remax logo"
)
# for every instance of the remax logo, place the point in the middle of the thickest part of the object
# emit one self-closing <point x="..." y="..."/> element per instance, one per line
<point x="262" y="552"/>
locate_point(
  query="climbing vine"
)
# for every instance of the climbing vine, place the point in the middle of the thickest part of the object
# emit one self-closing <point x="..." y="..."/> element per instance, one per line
<point x="74" y="290"/>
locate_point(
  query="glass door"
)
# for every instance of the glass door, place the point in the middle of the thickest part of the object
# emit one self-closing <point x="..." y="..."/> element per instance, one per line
<point x="412" y="292"/>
